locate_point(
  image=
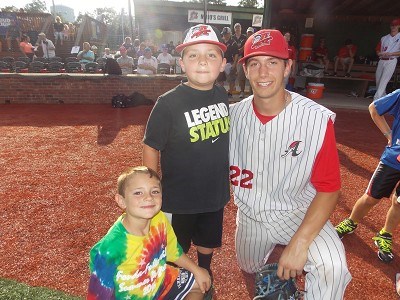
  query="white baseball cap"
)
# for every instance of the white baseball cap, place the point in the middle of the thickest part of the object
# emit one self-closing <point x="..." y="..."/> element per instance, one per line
<point x="250" y="29"/>
<point x="200" y="34"/>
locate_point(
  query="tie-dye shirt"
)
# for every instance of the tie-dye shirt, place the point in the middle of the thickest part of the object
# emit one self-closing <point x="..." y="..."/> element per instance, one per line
<point x="125" y="266"/>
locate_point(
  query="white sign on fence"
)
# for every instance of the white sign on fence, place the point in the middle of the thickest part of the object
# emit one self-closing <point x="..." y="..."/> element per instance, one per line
<point x="213" y="17"/>
<point x="257" y="20"/>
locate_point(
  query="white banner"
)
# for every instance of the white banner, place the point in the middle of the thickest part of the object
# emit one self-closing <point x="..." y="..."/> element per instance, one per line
<point x="213" y="17"/>
<point x="257" y="20"/>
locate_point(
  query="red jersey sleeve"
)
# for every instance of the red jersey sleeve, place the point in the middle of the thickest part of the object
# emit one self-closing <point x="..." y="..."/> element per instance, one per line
<point x="378" y="47"/>
<point x="326" y="171"/>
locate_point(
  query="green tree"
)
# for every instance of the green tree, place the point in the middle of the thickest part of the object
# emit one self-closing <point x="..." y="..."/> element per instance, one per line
<point x="36" y="6"/>
<point x="109" y="14"/>
<point x="9" y="9"/>
<point x="216" y="2"/>
<point x="248" y="3"/>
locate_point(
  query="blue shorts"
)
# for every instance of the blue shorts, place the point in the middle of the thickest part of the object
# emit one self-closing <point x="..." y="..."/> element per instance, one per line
<point x="182" y="285"/>
<point x="383" y="182"/>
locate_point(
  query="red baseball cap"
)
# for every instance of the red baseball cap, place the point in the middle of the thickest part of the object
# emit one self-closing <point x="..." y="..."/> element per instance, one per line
<point x="265" y="42"/>
<point x="200" y="34"/>
<point x="395" y="22"/>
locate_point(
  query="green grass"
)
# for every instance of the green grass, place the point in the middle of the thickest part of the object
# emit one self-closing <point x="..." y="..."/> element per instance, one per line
<point x="12" y="290"/>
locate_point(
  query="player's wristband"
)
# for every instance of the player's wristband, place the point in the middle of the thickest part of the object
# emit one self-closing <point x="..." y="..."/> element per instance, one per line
<point x="387" y="134"/>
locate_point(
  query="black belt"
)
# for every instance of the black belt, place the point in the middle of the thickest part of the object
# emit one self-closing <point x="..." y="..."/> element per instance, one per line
<point x="388" y="58"/>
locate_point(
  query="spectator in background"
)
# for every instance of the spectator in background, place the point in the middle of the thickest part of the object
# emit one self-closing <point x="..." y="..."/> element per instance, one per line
<point x="13" y="34"/>
<point x="136" y="45"/>
<point x="94" y="49"/>
<point x="48" y="48"/>
<point x="125" y="62"/>
<point x="147" y="64"/>
<point x="164" y="57"/>
<point x="86" y="55"/>
<point x="249" y="31"/>
<point x="129" y="47"/>
<point x="240" y="39"/>
<point x="140" y="52"/>
<point x="26" y="47"/>
<point x="321" y="55"/>
<point x="107" y="53"/>
<point x="345" y="57"/>
<point x="231" y="55"/>
<point x="289" y="81"/>
<point x="66" y="32"/>
<point x="58" y="27"/>
<point x="171" y="48"/>
<point x="71" y="31"/>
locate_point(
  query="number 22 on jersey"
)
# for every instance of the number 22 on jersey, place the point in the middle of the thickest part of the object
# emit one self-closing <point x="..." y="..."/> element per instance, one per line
<point x="242" y="178"/>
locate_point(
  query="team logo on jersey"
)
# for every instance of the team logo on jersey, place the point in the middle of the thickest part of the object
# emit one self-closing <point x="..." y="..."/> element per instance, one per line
<point x="261" y="40"/>
<point x="293" y="149"/>
<point x="198" y="31"/>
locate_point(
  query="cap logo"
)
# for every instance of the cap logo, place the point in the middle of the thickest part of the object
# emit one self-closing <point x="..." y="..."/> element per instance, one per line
<point x="200" y="31"/>
<point x="261" y="39"/>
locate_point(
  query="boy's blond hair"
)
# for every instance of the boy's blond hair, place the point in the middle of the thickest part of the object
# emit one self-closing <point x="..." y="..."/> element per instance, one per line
<point x="129" y="173"/>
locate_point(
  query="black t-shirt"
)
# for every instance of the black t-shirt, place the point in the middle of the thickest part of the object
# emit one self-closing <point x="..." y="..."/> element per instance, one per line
<point x="231" y="50"/>
<point x="240" y="42"/>
<point x="190" y="128"/>
<point x="58" y="27"/>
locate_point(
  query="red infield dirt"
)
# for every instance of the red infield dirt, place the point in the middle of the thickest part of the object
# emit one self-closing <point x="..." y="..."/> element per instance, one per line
<point x="59" y="165"/>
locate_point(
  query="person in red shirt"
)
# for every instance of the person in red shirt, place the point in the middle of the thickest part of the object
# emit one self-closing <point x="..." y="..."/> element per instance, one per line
<point x="26" y="47"/>
<point x="293" y="56"/>
<point x="321" y="55"/>
<point x="345" y="57"/>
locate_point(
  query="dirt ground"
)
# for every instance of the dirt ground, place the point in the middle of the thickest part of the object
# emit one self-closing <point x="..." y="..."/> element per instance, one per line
<point x="59" y="165"/>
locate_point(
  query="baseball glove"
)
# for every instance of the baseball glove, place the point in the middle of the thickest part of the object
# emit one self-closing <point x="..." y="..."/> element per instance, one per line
<point x="270" y="287"/>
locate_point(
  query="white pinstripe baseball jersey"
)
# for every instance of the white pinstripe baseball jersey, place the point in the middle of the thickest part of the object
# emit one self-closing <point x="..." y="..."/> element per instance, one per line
<point x="390" y="43"/>
<point x="386" y="68"/>
<point x="271" y="164"/>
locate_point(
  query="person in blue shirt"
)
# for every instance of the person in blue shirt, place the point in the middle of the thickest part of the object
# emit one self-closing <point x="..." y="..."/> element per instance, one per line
<point x="384" y="181"/>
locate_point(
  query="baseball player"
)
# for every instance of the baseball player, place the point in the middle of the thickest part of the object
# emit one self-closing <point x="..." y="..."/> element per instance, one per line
<point x="284" y="171"/>
<point x="384" y="181"/>
<point x="388" y="49"/>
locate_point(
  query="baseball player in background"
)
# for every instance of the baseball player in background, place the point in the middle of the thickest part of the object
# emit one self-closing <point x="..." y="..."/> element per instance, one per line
<point x="284" y="170"/>
<point x="388" y="49"/>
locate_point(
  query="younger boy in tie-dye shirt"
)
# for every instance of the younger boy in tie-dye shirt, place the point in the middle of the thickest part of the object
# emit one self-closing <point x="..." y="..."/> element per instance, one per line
<point x="130" y="261"/>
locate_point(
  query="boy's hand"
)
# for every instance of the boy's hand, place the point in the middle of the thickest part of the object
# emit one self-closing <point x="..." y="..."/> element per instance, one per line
<point x="203" y="279"/>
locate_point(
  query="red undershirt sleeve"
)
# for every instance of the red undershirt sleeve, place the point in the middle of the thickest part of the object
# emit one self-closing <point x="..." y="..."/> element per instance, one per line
<point x="326" y="171"/>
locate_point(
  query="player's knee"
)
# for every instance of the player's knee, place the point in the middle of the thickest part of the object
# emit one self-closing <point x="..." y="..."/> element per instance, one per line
<point x="335" y="270"/>
<point x="371" y="199"/>
<point x="195" y="293"/>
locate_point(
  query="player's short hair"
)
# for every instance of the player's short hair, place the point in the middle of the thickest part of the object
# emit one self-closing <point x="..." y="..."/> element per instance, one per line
<point x="129" y="173"/>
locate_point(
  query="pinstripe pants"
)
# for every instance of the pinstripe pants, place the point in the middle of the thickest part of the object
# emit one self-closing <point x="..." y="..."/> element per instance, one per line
<point x="326" y="267"/>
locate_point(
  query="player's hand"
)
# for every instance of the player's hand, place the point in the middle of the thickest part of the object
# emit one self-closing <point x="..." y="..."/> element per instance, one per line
<point x="292" y="260"/>
<point x="203" y="279"/>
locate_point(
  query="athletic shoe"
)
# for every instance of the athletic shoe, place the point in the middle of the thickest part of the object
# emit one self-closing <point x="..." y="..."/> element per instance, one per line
<point x="352" y="94"/>
<point x="398" y="283"/>
<point x="241" y="95"/>
<point x="384" y="243"/>
<point x="347" y="226"/>
<point x="347" y="75"/>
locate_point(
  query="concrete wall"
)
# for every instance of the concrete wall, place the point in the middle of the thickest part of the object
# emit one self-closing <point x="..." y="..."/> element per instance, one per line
<point x="80" y="88"/>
